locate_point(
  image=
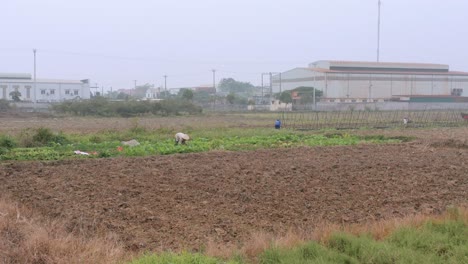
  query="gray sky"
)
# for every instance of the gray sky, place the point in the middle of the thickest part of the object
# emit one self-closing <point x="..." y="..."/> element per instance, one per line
<point x="114" y="42"/>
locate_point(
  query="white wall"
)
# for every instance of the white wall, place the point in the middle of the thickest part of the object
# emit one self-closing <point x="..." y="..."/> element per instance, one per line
<point x="45" y="91"/>
<point x="374" y="86"/>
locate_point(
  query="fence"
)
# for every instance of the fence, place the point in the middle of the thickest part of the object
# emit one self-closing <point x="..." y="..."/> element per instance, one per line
<point x="371" y="119"/>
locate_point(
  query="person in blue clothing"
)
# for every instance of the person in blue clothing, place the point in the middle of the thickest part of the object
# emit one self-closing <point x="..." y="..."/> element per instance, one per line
<point x="277" y="124"/>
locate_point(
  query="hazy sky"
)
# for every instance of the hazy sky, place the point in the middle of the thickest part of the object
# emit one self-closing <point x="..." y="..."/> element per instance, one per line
<point x="114" y="42"/>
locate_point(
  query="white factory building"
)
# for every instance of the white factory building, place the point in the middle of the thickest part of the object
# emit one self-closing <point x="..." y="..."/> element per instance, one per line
<point x="42" y="90"/>
<point x="352" y="81"/>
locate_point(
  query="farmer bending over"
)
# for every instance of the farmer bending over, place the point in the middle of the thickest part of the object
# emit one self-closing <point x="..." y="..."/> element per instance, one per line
<point x="181" y="138"/>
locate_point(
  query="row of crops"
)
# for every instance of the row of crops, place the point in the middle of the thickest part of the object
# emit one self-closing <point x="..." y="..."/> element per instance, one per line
<point x="372" y="119"/>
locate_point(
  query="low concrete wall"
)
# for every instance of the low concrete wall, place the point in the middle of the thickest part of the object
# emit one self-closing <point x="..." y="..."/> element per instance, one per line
<point x="30" y="107"/>
<point x="387" y="106"/>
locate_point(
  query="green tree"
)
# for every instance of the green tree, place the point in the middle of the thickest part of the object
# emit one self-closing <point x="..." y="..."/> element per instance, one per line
<point x="229" y="85"/>
<point x="241" y="100"/>
<point x="122" y="96"/>
<point x="16" y="96"/>
<point x="165" y="94"/>
<point x="230" y="98"/>
<point x="203" y="97"/>
<point x="285" y="97"/>
<point x="186" y="94"/>
<point x="140" y="91"/>
<point x="307" y="94"/>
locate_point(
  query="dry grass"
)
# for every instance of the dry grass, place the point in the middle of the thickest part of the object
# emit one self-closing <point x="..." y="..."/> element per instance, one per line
<point x="25" y="238"/>
<point x="260" y="241"/>
<point x="381" y="229"/>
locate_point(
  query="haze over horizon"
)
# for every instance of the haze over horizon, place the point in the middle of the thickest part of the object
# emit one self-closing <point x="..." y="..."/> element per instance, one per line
<point x="116" y="42"/>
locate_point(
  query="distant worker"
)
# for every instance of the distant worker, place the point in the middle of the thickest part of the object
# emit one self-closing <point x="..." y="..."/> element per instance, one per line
<point x="405" y="121"/>
<point x="181" y="138"/>
<point x="277" y="124"/>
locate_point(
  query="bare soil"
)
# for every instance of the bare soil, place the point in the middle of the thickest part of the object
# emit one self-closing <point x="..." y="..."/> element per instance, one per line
<point x="182" y="201"/>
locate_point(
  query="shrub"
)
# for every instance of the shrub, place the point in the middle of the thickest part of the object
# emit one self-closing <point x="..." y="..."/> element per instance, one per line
<point x="4" y="105"/>
<point x="7" y="142"/>
<point x="25" y="138"/>
<point x="41" y="137"/>
<point x="103" y="107"/>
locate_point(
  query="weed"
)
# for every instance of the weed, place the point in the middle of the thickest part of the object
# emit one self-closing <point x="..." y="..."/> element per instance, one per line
<point x="104" y="154"/>
<point x="96" y="139"/>
<point x="3" y="151"/>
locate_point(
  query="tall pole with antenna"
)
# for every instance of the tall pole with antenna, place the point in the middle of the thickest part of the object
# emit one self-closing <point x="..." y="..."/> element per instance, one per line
<point x="35" y="82"/>
<point x="214" y="88"/>
<point x="214" y="79"/>
<point x="165" y="86"/>
<point x="378" y="32"/>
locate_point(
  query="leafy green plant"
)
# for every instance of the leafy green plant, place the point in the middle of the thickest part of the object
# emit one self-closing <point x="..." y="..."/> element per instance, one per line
<point x="104" y="154"/>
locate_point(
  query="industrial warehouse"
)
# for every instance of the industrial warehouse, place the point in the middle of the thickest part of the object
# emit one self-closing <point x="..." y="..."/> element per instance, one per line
<point x="371" y="82"/>
<point x="42" y="90"/>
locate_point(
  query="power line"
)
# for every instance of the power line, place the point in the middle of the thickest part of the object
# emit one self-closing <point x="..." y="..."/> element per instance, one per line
<point x="151" y="58"/>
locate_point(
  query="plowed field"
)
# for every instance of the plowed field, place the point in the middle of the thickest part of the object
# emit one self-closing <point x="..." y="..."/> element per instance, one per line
<point x="172" y="202"/>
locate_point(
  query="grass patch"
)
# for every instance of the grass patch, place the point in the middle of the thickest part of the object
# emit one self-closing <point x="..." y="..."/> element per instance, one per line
<point x="182" y="258"/>
<point x="436" y="239"/>
<point x="309" y="253"/>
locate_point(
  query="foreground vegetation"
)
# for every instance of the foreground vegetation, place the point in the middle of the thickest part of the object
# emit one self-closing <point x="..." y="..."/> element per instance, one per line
<point x="416" y="240"/>
<point x="26" y="237"/>
<point x="44" y="144"/>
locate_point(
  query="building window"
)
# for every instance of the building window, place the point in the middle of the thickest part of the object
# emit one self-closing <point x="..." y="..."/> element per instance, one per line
<point x="42" y="91"/>
<point x="4" y="88"/>
<point x="67" y="91"/>
<point x="16" y="87"/>
<point x="28" y="91"/>
<point x="75" y="92"/>
<point x="52" y="91"/>
<point x="457" y="92"/>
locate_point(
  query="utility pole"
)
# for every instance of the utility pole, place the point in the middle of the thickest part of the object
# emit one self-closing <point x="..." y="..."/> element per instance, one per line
<point x="135" y="81"/>
<point x="271" y="85"/>
<point x="280" y="91"/>
<point x="214" y="87"/>
<point x="378" y="32"/>
<point x="214" y="79"/>
<point x="262" y="89"/>
<point x="35" y="83"/>
<point x="165" y="86"/>
<point x="315" y="87"/>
